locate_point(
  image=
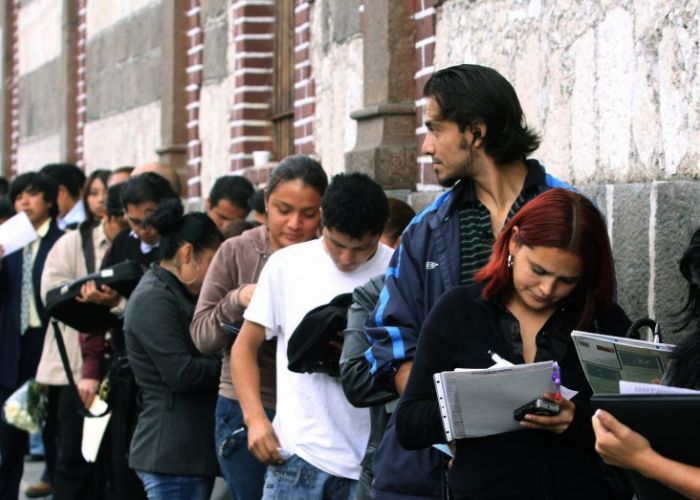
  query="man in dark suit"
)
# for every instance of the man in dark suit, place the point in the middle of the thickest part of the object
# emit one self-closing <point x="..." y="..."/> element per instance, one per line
<point x="23" y="319"/>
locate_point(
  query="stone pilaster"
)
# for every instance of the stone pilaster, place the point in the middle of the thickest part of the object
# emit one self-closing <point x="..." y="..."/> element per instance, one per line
<point x="385" y="147"/>
<point x="173" y="148"/>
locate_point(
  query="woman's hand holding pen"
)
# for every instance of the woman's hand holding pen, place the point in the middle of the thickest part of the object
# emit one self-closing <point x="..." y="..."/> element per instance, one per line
<point x="556" y="423"/>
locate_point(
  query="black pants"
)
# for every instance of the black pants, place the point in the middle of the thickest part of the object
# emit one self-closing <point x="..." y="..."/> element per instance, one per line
<point x="13" y="442"/>
<point x="73" y="478"/>
<point x="122" y="482"/>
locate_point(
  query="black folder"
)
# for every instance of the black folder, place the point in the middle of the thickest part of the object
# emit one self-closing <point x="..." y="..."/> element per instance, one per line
<point x="671" y="423"/>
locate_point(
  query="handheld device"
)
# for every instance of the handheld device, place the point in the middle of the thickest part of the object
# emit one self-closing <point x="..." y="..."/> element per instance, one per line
<point x="537" y="406"/>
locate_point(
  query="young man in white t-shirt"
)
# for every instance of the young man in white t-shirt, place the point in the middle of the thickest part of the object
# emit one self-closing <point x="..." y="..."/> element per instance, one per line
<point x="317" y="440"/>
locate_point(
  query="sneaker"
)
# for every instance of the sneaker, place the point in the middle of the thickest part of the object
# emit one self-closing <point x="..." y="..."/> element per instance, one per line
<point x="38" y="490"/>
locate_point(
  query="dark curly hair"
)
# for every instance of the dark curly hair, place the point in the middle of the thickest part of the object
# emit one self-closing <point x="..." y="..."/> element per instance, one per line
<point x="354" y="205"/>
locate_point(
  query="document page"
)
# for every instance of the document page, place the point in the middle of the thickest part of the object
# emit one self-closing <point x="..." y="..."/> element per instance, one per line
<point x="607" y="360"/>
<point x="16" y="233"/>
<point x="481" y="402"/>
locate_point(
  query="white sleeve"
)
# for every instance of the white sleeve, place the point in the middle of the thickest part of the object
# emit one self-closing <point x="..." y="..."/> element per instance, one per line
<point x="263" y="308"/>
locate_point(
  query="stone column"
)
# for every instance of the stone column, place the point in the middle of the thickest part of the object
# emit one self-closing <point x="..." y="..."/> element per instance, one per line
<point x="68" y="74"/>
<point x="386" y="148"/>
<point x="173" y="121"/>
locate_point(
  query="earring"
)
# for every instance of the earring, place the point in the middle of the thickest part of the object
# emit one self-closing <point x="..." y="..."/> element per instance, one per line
<point x="509" y="261"/>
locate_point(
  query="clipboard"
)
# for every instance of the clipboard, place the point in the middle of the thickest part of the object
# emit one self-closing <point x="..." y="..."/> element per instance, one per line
<point x="669" y="422"/>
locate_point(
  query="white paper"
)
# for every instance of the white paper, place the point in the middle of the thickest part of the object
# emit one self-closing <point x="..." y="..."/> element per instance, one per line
<point x="640" y="388"/>
<point x="16" y="233"/>
<point x="481" y="402"/>
<point x="94" y="430"/>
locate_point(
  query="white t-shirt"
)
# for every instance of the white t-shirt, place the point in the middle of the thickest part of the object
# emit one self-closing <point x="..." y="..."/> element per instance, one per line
<point x="314" y="420"/>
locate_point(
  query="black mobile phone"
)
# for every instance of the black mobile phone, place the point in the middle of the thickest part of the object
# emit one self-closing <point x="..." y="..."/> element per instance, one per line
<point x="537" y="406"/>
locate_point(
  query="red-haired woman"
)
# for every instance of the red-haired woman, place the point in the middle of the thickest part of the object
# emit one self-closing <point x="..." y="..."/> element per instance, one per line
<point x="551" y="272"/>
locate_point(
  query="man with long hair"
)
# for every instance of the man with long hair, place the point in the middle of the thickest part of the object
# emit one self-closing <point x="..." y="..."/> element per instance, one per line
<point x="479" y="143"/>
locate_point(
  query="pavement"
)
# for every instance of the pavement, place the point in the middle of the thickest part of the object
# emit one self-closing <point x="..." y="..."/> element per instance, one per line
<point x="33" y="470"/>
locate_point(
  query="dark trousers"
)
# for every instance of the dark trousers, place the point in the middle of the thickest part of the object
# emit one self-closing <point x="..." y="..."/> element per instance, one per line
<point x="73" y="478"/>
<point x="122" y="481"/>
<point x="13" y="442"/>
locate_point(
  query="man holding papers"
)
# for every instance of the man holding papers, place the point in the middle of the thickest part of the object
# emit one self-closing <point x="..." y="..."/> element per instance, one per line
<point x="23" y="320"/>
<point x="551" y="271"/>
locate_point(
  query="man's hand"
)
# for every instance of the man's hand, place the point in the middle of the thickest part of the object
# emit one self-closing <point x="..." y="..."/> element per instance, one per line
<point x="87" y="388"/>
<point x="104" y="295"/>
<point x="556" y="423"/>
<point x="401" y="377"/>
<point x="617" y="444"/>
<point x="245" y="294"/>
<point x="263" y="442"/>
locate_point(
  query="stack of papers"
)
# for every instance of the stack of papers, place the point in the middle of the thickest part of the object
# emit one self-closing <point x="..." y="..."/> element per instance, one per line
<point x="481" y="402"/>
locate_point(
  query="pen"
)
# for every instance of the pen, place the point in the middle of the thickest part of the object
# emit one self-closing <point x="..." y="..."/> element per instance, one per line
<point x="556" y="378"/>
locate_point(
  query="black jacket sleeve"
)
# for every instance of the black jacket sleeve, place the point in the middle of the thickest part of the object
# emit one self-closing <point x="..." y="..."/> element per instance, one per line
<point x="418" y="419"/>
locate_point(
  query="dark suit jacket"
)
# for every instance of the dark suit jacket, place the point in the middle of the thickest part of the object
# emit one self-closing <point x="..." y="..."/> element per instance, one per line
<point x="19" y="356"/>
<point x="178" y="385"/>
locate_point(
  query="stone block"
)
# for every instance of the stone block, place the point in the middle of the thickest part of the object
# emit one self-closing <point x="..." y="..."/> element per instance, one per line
<point x="677" y="217"/>
<point x="215" y="48"/>
<point x="614" y="91"/>
<point x="630" y="242"/>
<point x="123" y="64"/>
<point x="213" y="8"/>
<point x="38" y="103"/>
<point x="345" y="19"/>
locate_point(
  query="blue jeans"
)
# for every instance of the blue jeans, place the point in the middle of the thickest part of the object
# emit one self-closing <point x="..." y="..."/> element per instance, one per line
<point x="297" y="479"/>
<point x="243" y="473"/>
<point x="167" y="487"/>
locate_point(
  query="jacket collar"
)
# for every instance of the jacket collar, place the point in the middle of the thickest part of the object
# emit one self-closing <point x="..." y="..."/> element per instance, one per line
<point x="462" y="194"/>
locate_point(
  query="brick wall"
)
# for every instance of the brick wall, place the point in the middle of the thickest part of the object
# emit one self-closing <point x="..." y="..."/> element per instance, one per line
<point x="80" y="84"/>
<point x="13" y="82"/>
<point x="253" y="24"/>
<point x="195" y="65"/>
<point x="424" y="18"/>
<point x="304" y="87"/>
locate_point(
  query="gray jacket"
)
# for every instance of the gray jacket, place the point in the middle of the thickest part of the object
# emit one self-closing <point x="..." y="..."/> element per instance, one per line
<point x="361" y="389"/>
<point x="177" y="384"/>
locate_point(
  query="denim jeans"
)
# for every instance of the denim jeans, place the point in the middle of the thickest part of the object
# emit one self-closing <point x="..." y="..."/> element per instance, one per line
<point x="297" y="479"/>
<point x="167" y="487"/>
<point x="243" y="473"/>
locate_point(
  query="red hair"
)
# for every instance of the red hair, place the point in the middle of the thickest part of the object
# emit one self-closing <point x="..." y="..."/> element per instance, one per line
<point x="559" y="218"/>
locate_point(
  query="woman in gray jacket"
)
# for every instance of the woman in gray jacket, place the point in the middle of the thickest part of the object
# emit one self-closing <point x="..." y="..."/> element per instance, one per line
<point x="171" y="446"/>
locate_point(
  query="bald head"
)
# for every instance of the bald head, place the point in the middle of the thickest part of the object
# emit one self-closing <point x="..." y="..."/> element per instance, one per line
<point x="162" y="169"/>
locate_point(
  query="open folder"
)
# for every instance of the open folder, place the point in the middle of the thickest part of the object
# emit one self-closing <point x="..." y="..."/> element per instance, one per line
<point x="668" y="421"/>
<point x="606" y="360"/>
<point x="480" y="402"/>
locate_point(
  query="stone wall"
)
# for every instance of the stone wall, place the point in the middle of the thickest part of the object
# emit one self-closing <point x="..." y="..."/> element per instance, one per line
<point x="123" y="73"/>
<point x="39" y="29"/>
<point x="337" y="50"/>
<point x="614" y="87"/>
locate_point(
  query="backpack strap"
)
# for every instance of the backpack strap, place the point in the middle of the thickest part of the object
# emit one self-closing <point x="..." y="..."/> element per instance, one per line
<point x="69" y="374"/>
<point x="87" y="245"/>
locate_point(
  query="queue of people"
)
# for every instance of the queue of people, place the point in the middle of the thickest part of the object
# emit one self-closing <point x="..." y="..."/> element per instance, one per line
<point x="203" y="355"/>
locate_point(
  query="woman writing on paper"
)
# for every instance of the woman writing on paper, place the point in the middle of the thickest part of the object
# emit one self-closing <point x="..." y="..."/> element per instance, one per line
<point x="620" y="445"/>
<point x="551" y="272"/>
